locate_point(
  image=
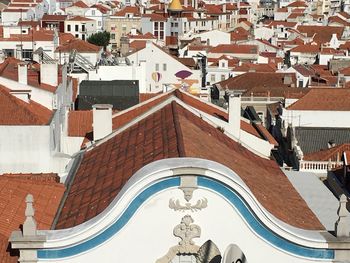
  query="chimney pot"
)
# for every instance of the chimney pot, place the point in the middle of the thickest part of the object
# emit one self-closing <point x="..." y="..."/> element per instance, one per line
<point x="234" y="115"/>
<point x="49" y="74"/>
<point x="22" y="73"/>
<point x="102" y="120"/>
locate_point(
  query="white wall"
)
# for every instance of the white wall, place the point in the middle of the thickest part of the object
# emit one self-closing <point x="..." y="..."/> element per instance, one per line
<point x="153" y="56"/>
<point x="331" y="119"/>
<point x="27" y="150"/>
<point x="215" y="37"/>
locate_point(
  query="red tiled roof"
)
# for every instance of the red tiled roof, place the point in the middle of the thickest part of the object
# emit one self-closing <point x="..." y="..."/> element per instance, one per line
<point x="246" y="67"/>
<point x="47" y="193"/>
<point x="148" y="35"/>
<point x="65" y="37"/>
<point x="233" y="48"/>
<point x="80" y="18"/>
<point x="17" y="112"/>
<point x="9" y="69"/>
<point x="306" y="49"/>
<point x="345" y="71"/>
<point x="324" y="99"/>
<point x="155" y="17"/>
<point x="80" y="4"/>
<point x="103" y="9"/>
<point x="282" y="23"/>
<point x="344" y="14"/>
<point x="128" y="10"/>
<point x="29" y="23"/>
<point x="338" y="20"/>
<point x="298" y="4"/>
<point x="79" y="45"/>
<point x="79" y="123"/>
<point x="321" y="34"/>
<point x="33" y="34"/>
<point x="333" y="153"/>
<point x="106" y="168"/>
<point x="47" y="17"/>
<point x="261" y="83"/>
<point x="137" y="45"/>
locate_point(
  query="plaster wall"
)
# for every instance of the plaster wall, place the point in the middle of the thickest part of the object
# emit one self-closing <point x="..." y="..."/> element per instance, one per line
<point x="25" y="150"/>
<point x="163" y="63"/>
<point x="149" y="233"/>
<point x="332" y="119"/>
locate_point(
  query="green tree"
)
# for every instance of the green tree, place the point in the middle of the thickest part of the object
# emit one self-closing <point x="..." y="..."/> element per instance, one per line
<point x="100" y="39"/>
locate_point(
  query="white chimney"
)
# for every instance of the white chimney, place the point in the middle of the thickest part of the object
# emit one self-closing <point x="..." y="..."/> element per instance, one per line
<point x="22" y="70"/>
<point x="49" y="74"/>
<point x="224" y="8"/>
<point x="234" y="115"/>
<point x="186" y="3"/>
<point x="23" y="95"/>
<point x="101" y="120"/>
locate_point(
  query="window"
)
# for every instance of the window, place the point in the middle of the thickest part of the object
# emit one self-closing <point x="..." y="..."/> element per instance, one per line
<point x="223" y="77"/>
<point x="112" y="36"/>
<point x="99" y="23"/>
<point x="77" y="35"/>
<point x="222" y="64"/>
<point x="76" y="28"/>
<point x="83" y="28"/>
<point x="157" y="67"/>
<point x="164" y="67"/>
<point x="212" y="78"/>
<point x="83" y="36"/>
<point x="68" y="28"/>
<point x="93" y="12"/>
<point x="27" y="54"/>
<point x="158" y="30"/>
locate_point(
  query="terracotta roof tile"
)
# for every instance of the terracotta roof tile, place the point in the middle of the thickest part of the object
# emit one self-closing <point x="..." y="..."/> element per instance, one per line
<point x="47" y="17"/>
<point x="306" y="49"/>
<point x="298" y="4"/>
<point x="80" y="18"/>
<point x="321" y="34"/>
<point x="333" y="153"/>
<point x="262" y="83"/>
<point x="17" y="112"/>
<point x="233" y="48"/>
<point x="129" y="10"/>
<point x="14" y="188"/>
<point x="79" y="45"/>
<point x="9" y="69"/>
<point x="324" y="99"/>
<point x="79" y="123"/>
<point x="80" y="4"/>
<point x="173" y="131"/>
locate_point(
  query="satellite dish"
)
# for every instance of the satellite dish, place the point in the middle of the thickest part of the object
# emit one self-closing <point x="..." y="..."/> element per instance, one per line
<point x="233" y="254"/>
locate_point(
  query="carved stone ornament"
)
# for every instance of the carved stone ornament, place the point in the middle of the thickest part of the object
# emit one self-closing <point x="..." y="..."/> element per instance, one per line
<point x="176" y="205"/>
<point x="188" y="185"/>
<point x="186" y="230"/>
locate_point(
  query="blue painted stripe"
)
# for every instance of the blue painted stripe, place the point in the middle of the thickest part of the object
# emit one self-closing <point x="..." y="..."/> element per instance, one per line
<point x="242" y="207"/>
<point x="113" y="229"/>
<point x="259" y="227"/>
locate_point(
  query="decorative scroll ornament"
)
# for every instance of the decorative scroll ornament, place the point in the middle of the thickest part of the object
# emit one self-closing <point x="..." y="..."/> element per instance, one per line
<point x="187" y="231"/>
<point x="176" y="206"/>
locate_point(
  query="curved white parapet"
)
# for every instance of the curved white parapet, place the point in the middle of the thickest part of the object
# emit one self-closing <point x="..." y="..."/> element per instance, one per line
<point x="165" y="175"/>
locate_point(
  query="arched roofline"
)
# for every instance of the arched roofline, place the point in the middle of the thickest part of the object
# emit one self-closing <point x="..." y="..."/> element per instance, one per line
<point x="166" y="174"/>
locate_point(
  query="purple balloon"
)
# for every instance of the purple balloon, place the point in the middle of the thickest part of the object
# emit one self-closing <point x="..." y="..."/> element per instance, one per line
<point x="182" y="74"/>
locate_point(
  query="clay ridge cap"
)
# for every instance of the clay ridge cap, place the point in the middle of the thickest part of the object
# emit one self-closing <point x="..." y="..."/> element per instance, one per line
<point x="178" y="131"/>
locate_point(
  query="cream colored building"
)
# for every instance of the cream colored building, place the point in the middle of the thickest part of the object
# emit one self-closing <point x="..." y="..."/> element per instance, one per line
<point x="121" y="24"/>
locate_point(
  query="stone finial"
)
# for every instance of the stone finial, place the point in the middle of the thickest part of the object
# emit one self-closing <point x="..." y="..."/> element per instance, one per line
<point x="342" y="225"/>
<point x="29" y="226"/>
